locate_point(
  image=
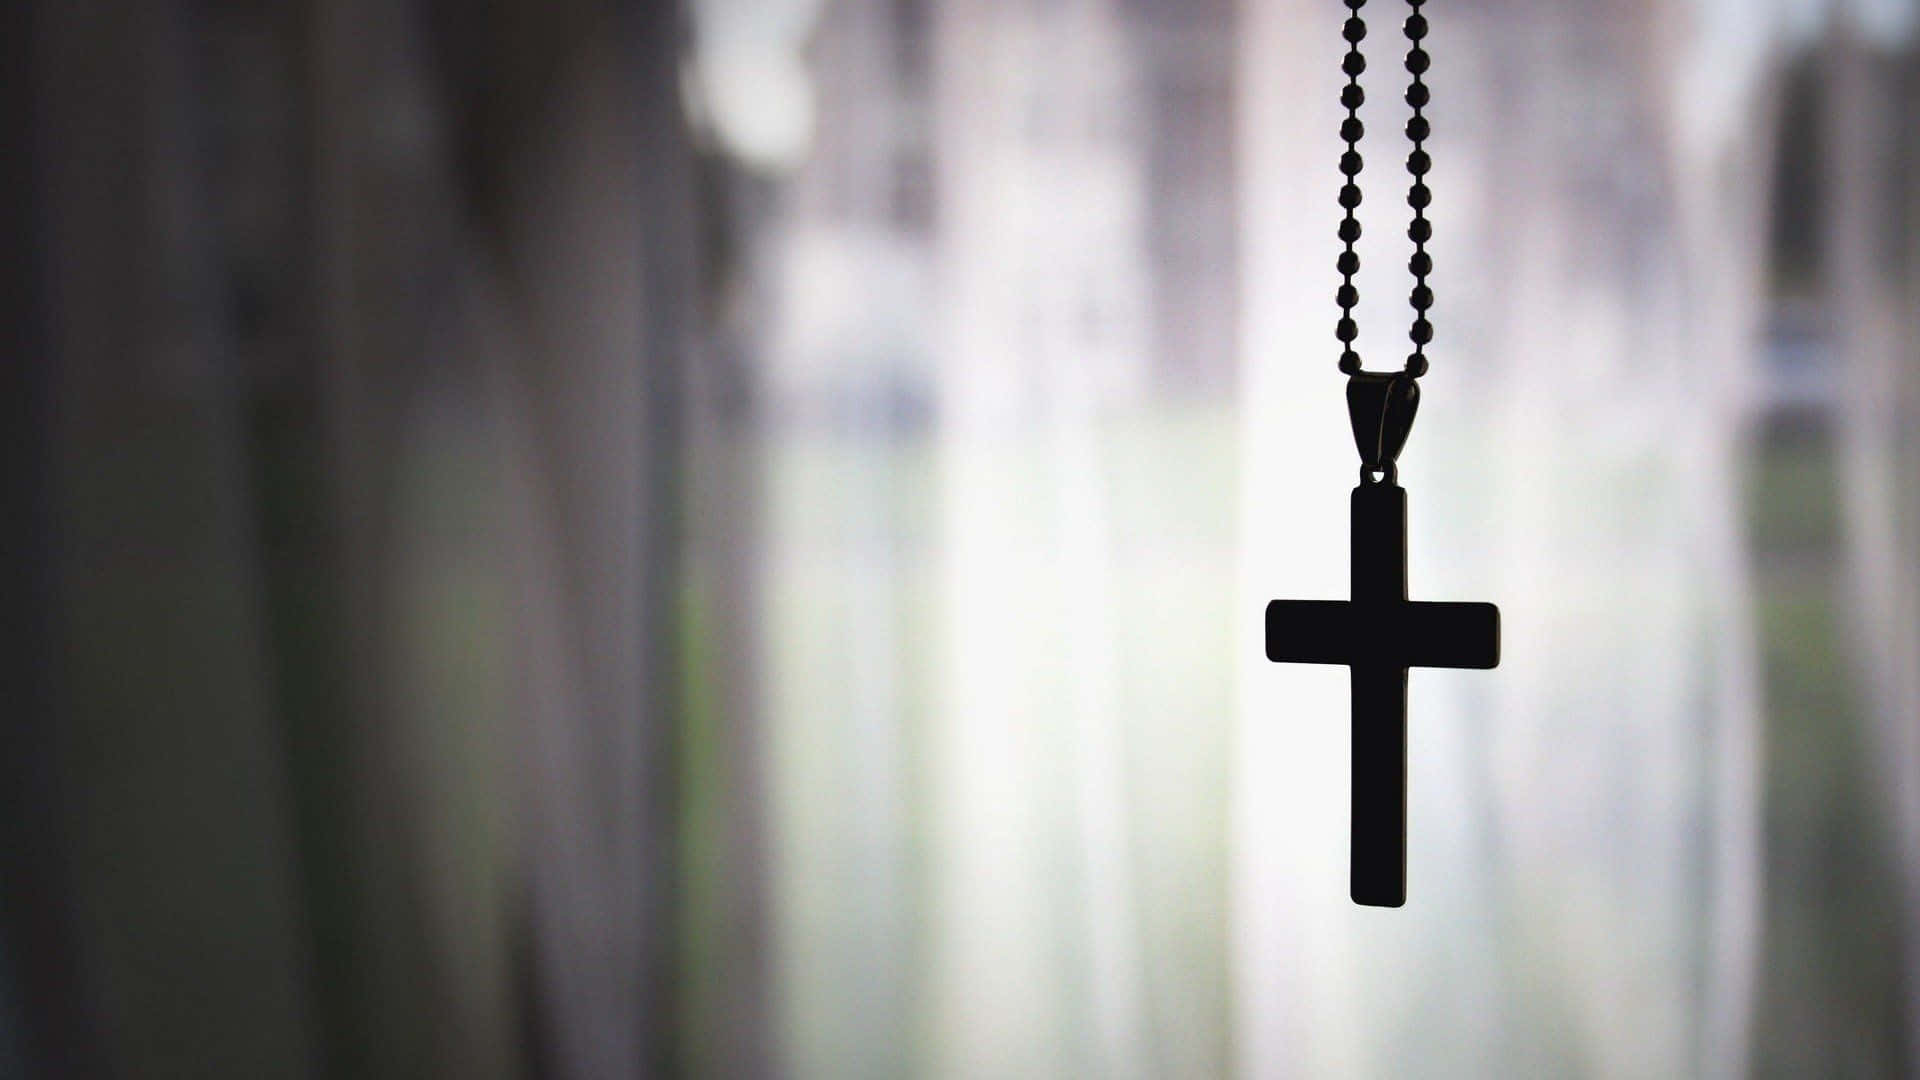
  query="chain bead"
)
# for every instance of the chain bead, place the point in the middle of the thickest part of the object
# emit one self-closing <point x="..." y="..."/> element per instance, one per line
<point x="1421" y="298"/>
<point x="1421" y="264"/>
<point x="1418" y="61"/>
<point x="1347" y="330"/>
<point x="1418" y="129"/>
<point x="1420" y="196"/>
<point x="1349" y="230"/>
<point x="1419" y="163"/>
<point x="1422" y="332"/>
<point x="1352" y="97"/>
<point x="1348" y="263"/>
<point x="1420" y="231"/>
<point x="1349" y="363"/>
<point x="1354" y="64"/>
<point x="1347" y="296"/>
<point x="1416" y="365"/>
<point x="1416" y="26"/>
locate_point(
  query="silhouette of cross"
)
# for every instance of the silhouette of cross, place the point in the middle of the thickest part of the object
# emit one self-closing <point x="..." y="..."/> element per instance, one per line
<point x="1379" y="634"/>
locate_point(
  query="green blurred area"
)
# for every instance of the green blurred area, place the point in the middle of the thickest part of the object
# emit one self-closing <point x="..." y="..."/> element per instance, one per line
<point x="1832" y="987"/>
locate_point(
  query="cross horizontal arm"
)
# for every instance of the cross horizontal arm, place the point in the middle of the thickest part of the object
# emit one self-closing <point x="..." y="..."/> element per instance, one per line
<point x="1449" y="635"/>
<point x="1310" y="632"/>
<point x="1404" y="634"/>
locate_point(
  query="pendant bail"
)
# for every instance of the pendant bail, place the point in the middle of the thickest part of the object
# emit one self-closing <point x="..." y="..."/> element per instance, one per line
<point x="1381" y="408"/>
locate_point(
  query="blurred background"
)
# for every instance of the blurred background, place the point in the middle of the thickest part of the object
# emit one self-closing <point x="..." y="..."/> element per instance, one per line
<point x="605" y="539"/>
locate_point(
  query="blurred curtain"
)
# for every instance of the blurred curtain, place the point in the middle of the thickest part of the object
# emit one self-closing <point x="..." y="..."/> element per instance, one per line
<point x="359" y="395"/>
<point x="998" y="277"/>
<point x="1869" y="288"/>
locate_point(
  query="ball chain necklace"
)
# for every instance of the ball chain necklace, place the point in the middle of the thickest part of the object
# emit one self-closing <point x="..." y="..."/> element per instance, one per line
<point x="1379" y="634"/>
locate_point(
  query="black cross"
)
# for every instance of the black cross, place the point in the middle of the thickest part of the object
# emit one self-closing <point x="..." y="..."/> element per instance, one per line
<point x="1380" y="634"/>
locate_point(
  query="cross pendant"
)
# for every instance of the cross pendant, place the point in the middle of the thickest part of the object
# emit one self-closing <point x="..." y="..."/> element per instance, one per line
<point x="1379" y="634"/>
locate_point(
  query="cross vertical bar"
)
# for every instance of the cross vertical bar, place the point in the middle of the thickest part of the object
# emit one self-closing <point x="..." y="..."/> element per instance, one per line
<point x="1378" y="871"/>
<point x="1379" y="549"/>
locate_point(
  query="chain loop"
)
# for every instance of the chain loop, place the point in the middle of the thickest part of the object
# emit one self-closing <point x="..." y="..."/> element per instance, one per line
<point x="1419" y="195"/>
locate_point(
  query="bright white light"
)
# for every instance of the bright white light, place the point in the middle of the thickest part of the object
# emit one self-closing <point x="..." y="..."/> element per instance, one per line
<point x="758" y="101"/>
